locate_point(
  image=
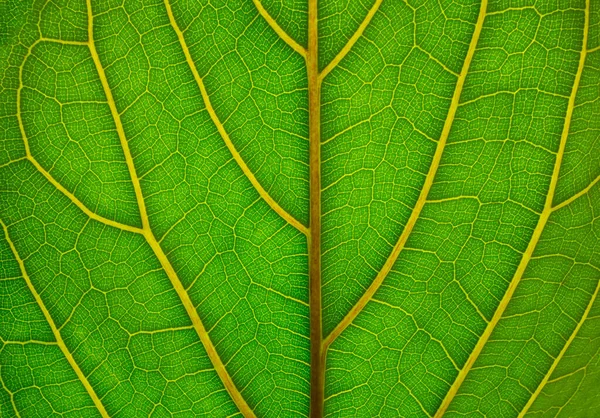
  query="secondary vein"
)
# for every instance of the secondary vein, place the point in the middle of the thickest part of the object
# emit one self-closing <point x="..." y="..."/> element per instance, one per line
<point x="344" y="51"/>
<point x="117" y="118"/>
<point x="60" y="342"/>
<point x="29" y="156"/>
<point x="213" y="115"/>
<point x="545" y="215"/>
<point x="561" y="354"/>
<point x="279" y="30"/>
<point x="153" y="242"/>
<point x="577" y="195"/>
<point x="367" y="296"/>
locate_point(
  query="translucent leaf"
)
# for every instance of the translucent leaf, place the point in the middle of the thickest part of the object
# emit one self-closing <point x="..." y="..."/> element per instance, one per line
<point x="288" y="208"/>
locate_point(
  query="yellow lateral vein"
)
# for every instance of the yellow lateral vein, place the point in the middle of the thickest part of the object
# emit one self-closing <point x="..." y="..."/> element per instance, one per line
<point x="546" y="212"/>
<point x="154" y="244"/>
<point x="10" y="394"/>
<point x="27" y="342"/>
<point x="64" y="42"/>
<point x="55" y="331"/>
<point x="79" y="203"/>
<point x="236" y="155"/>
<point x="279" y="30"/>
<point x="355" y="37"/>
<point x="561" y="354"/>
<point x="211" y="350"/>
<point x="45" y="173"/>
<point x="117" y="118"/>
<point x="366" y="297"/>
<point x="577" y="195"/>
<point x="11" y="162"/>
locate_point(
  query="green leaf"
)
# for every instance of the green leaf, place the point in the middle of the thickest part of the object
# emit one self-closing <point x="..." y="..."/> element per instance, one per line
<point x="282" y="208"/>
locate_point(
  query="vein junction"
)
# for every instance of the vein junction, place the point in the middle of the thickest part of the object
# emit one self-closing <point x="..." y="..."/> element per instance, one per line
<point x="386" y="278"/>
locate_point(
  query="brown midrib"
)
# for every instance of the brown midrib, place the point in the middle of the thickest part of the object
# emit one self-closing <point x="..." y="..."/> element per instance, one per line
<point x="317" y="375"/>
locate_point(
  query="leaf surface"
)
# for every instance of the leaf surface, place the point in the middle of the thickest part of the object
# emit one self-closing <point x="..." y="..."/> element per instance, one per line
<point x="284" y="208"/>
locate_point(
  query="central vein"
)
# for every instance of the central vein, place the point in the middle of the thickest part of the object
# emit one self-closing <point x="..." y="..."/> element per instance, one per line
<point x="314" y="237"/>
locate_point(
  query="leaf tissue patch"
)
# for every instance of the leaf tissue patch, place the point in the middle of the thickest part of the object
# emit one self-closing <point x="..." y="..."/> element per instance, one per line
<point x="287" y="208"/>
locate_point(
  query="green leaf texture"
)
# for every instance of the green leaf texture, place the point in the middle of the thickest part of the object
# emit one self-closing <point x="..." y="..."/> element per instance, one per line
<point x="281" y="208"/>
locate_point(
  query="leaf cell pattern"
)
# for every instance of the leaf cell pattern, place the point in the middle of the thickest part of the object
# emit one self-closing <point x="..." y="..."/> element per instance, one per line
<point x="293" y="208"/>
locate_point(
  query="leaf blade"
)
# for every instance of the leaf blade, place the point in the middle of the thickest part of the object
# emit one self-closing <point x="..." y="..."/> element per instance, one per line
<point x="229" y="182"/>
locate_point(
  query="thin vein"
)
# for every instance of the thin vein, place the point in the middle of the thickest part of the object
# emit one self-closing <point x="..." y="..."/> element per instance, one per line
<point x="91" y="214"/>
<point x="437" y="61"/>
<point x="42" y="170"/>
<point x="366" y="297"/>
<point x="527" y="255"/>
<point x="16" y="160"/>
<point x="567" y="375"/>
<point x="561" y="354"/>
<point x="60" y="342"/>
<point x="153" y="242"/>
<point x="10" y="394"/>
<point x="577" y="195"/>
<point x="22" y="343"/>
<point x="64" y="42"/>
<point x="355" y="37"/>
<point x="419" y="328"/>
<point x="236" y="155"/>
<point x="117" y="119"/>
<point x="279" y="30"/>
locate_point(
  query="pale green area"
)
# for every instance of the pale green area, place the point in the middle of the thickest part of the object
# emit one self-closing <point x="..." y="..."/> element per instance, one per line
<point x="244" y="267"/>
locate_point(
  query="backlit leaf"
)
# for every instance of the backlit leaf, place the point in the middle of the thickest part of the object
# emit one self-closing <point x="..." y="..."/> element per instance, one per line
<point x="348" y="208"/>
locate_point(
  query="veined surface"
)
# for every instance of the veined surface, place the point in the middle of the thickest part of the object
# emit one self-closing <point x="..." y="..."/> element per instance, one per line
<point x="291" y="208"/>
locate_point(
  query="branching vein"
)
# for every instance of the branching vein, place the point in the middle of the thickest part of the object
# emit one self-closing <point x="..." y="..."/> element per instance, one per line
<point x="355" y="37"/>
<point x="561" y="354"/>
<point x="545" y="215"/>
<point x="279" y="30"/>
<point x="29" y="156"/>
<point x="366" y="297"/>
<point x="60" y="342"/>
<point x="153" y="242"/>
<point x="236" y="155"/>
